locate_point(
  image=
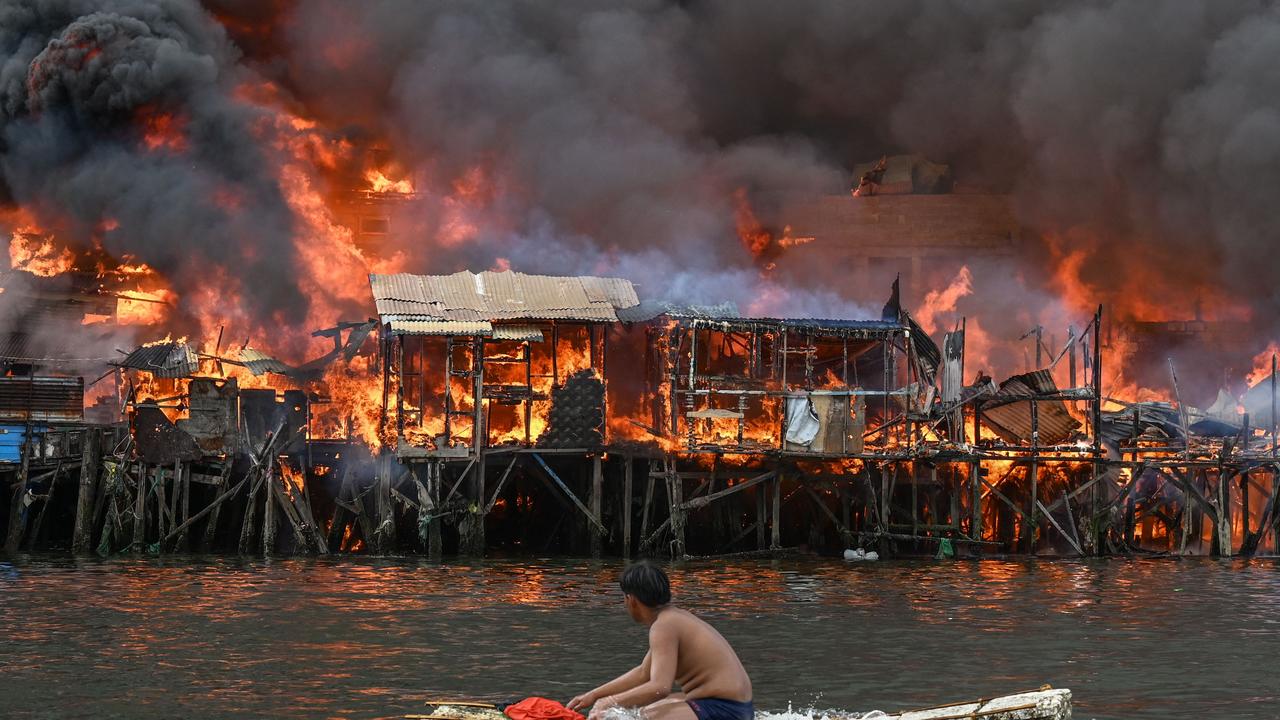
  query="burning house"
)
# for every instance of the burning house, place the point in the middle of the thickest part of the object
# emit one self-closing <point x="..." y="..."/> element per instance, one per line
<point x="179" y="231"/>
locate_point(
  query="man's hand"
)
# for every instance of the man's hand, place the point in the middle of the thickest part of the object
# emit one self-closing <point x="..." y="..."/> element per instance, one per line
<point x="581" y="702"/>
<point x="601" y="705"/>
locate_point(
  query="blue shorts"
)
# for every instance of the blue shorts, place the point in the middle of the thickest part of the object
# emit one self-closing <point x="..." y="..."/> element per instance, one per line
<point x="716" y="709"/>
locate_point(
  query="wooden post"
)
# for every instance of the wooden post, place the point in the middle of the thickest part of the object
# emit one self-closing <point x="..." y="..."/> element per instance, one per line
<point x="478" y="532"/>
<point x="385" y="531"/>
<point x="675" y="496"/>
<point x="626" y="506"/>
<point x="269" y="524"/>
<point x="1223" y="527"/>
<point x="775" y="540"/>
<point x="1033" y="475"/>
<point x="435" y="544"/>
<point x="762" y="517"/>
<point x="17" y="514"/>
<point x="89" y="463"/>
<point x="597" y="492"/>
<point x="975" y="519"/>
<point x="44" y="508"/>
<point x="425" y="506"/>
<point x="247" y="525"/>
<point x="915" y="498"/>
<point x="184" y="476"/>
<point x="211" y="527"/>
<point x="140" y="511"/>
<point x="648" y="500"/>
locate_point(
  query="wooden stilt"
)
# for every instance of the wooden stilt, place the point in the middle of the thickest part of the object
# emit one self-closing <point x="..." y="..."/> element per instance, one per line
<point x="17" y="506"/>
<point x="626" y="506"/>
<point x="85" y="500"/>
<point x="185" y="478"/>
<point x="44" y="508"/>
<point x="269" y="522"/>
<point x="247" y="525"/>
<point x="675" y="497"/>
<point x="1223" y="527"/>
<point x="762" y="517"/>
<point x="775" y="540"/>
<point x="215" y="508"/>
<point x="341" y="509"/>
<point x="648" y="500"/>
<point x="597" y="498"/>
<point x="435" y="544"/>
<point x="975" y="510"/>
<point x="139" y="539"/>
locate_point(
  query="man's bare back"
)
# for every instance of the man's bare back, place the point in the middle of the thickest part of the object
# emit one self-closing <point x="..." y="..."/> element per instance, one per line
<point x="706" y="666"/>
<point x="684" y="651"/>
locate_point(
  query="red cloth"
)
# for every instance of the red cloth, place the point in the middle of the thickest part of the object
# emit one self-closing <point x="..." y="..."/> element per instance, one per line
<point x="536" y="708"/>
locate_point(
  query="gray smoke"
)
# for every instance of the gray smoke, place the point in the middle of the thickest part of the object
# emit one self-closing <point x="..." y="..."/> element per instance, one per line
<point x="615" y="134"/>
<point x="620" y="129"/>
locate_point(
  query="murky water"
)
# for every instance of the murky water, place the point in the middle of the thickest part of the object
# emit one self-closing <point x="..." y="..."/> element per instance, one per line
<point x="218" y="637"/>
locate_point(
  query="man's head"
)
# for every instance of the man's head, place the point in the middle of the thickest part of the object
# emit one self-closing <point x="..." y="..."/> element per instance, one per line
<point x="646" y="588"/>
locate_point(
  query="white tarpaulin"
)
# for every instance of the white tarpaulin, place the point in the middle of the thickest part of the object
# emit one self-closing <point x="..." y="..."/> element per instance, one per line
<point x="802" y="421"/>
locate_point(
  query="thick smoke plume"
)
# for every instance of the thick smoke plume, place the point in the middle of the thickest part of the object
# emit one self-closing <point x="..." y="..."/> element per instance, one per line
<point x="614" y="137"/>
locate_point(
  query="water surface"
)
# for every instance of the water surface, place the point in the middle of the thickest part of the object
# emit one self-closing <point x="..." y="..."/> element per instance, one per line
<point x="362" y="638"/>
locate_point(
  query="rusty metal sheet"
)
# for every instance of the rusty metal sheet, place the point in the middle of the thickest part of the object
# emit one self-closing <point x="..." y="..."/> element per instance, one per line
<point x="260" y="363"/>
<point x="165" y="359"/>
<point x="212" y="420"/>
<point x="158" y="440"/>
<point x="46" y="399"/>
<point x="1008" y="411"/>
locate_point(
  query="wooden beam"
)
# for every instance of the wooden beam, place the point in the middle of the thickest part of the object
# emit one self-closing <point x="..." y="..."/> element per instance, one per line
<point x="698" y="502"/>
<point x="568" y="493"/>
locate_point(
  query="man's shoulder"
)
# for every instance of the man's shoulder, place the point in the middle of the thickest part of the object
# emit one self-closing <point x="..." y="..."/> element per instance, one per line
<point x="673" y="618"/>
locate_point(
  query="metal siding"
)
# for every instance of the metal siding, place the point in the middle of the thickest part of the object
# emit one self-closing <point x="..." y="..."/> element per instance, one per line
<point x="48" y="399"/>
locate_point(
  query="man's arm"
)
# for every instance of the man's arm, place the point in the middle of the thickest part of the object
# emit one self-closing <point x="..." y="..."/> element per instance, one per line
<point x="622" y="683"/>
<point x="664" y="646"/>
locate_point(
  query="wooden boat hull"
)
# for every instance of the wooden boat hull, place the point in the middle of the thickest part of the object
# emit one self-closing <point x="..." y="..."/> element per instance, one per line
<point x="1042" y="704"/>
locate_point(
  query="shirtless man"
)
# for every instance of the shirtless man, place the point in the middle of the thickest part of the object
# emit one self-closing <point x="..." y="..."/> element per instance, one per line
<point x="682" y="650"/>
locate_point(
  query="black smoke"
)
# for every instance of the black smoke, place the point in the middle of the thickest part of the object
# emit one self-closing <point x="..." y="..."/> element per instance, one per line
<point x="80" y="83"/>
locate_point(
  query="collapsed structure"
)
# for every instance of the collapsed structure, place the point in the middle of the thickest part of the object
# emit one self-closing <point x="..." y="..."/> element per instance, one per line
<point x="524" y="413"/>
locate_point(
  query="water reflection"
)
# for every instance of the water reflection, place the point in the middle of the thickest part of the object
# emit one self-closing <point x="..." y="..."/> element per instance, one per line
<point x="219" y="637"/>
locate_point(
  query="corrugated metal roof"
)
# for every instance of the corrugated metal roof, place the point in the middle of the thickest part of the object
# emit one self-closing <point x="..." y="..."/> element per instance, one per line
<point x="518" y="333"/>
<point x="168" y="359"/>
<point x="1008" y="411"/>
<point x="506" y="295"/>
<point x="440" y="327"/>
<point x="650" y="309"/>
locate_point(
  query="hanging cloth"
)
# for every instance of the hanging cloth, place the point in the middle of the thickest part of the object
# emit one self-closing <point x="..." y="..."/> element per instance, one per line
<point x="802" y="421"/>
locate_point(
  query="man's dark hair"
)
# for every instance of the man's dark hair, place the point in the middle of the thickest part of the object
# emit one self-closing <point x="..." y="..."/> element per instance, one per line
<point x="646" y="583"/>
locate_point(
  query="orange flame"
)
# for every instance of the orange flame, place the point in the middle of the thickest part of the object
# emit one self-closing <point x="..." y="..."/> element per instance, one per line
<point x="35" y="252"/>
